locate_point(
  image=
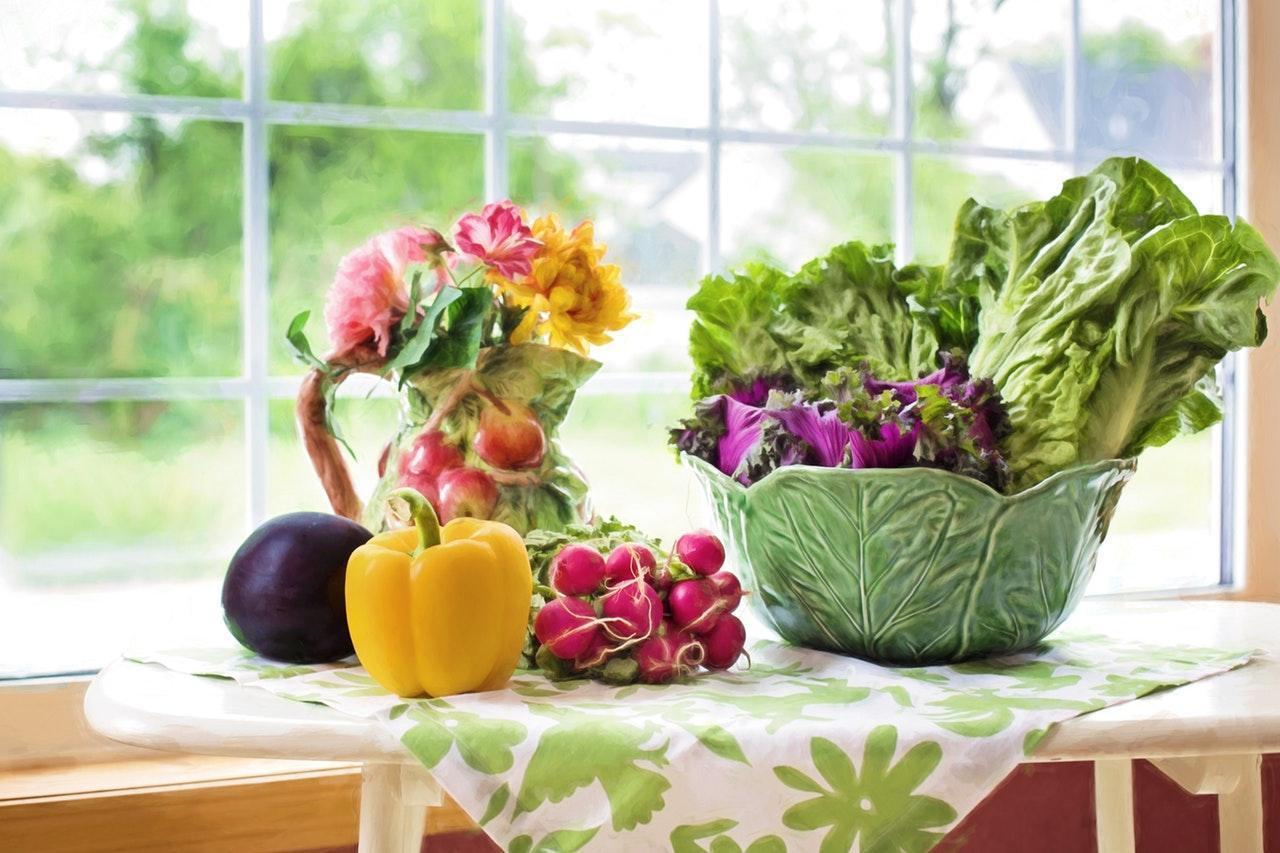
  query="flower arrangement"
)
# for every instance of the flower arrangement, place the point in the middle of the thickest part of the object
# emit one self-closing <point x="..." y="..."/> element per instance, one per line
<point x="487" y="336"/>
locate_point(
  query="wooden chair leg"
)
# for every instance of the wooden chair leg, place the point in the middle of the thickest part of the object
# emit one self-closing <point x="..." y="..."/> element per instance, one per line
<point x="1113" y="805"/>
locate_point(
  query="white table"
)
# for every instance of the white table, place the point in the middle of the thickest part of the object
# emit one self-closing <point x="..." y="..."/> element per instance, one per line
<point x="1208" y="736"/>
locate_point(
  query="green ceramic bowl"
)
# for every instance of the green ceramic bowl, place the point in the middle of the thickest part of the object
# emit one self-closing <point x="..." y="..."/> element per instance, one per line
<point x="913" y="565"/>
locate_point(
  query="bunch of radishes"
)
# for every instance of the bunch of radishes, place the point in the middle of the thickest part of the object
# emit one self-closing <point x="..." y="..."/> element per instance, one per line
<point x="622" y="617"/>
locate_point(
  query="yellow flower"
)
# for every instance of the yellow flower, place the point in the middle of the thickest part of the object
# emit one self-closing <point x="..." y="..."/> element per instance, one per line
<point x="572" y="298"/>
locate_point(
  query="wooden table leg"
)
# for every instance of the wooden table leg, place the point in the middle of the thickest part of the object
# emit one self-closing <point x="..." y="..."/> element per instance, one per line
<point x="1113" y="805"/>
<point x="1237" y="780"/>
<point x="393" y="807"/>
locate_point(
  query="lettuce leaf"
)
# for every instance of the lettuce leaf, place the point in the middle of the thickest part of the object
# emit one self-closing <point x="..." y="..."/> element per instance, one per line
<point x="1103" y="312"/>
<point x="731" y="340"/>
<point x="851" y="307"/>
<point x="847" y="309"/>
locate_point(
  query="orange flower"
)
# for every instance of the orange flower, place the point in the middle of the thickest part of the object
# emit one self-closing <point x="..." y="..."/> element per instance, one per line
<point x="572" y="297"/>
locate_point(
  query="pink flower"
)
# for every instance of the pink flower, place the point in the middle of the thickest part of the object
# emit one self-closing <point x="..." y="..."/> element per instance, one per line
<point x="413" y="244"/>
<point x="366" y="299"/>
<point x="498" y="237"/>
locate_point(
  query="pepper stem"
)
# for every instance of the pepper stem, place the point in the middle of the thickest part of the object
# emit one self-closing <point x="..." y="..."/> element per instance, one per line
<point x="423" y="515"/>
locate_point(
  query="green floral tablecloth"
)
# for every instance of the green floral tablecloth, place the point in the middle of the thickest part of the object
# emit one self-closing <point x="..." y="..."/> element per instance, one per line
<point x="802" y="751"/>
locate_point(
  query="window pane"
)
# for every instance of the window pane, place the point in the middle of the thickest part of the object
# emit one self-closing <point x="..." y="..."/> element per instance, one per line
<point x="332" y="188"/>
<point x="649" y="204"/>
<point x="989" y="72"/>
<point x="807" y="65"/>
<point x="609" y="61"/>
<point x="787" y="205"/>
<point x="942" y="184"/>
<point x="118" y="46"/>
<point x="1149" y="78"/>
<point x="124" y="233"/>
<point x="1164" y="534"/>
<point x="366" y="424"/>
<point x="620" y="442"/>
<point x="384" y="53"/>
<point x="106" y="509"/>
<point x="1203" y="188"/>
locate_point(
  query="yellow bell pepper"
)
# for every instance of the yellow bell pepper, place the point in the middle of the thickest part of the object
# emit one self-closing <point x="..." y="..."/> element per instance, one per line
<point x="438" y="611"/>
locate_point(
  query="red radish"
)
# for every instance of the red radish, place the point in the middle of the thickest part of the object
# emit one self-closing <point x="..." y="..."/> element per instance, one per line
<point x="628" y="561"/>
<point x="631" y="610"/>
<point x="594" y="655"/>
<point x="695" y="605"/>
<point x="729" y="587"/>
<point x="430" y="455"/>
<point x="509" y="436"/>
<point x="701" y="551"/>
<point x="724" y="642"/>
<point x="662" y="579"/>
<point x="670" y="654"/>
<point x="577" y="570"/>
<point x="567" y="626"/>
<point x="467" y="492"/>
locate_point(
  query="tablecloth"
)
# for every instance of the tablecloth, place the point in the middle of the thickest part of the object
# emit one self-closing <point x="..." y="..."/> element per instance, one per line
<point x="799" y="750"/>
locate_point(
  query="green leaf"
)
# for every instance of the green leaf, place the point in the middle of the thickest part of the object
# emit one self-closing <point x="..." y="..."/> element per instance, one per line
<point x="767" y="844"/>
<point x="718" y="739"/>
<point x="415" y="293"/>
<point x="485" y="744"/>
<point x="730" y="338"/>
<point x="835" y="766"/>
<point x="566" y="840"/>
<point x="724" y="844"/>
<point x="429" y="741"/>
<point x="299" y="345"/>
<point x="397" y="712"/>
<point x="520" y="844"/>
<point x="581" y="749"/>
<point x="330" y="414"/>
<point x="793" y="778"/>
<point x="685" y="838"/>
<point x="416" y="345"/>
<point x="847" y="308"/>
<point x="459" y="343"/>
<point x="497" y="802"/>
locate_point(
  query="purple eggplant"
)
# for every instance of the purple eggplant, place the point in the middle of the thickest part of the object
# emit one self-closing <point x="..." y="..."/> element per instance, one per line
<point x="284" y="594"/>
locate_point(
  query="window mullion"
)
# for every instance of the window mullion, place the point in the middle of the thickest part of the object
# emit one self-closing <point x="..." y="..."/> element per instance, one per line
<point x="254" y="303"/>
<point x="1072" y="69"/>
<point x="495" y="138"/>
<point x="712" y="254"/>
<point x="904" y="101"/>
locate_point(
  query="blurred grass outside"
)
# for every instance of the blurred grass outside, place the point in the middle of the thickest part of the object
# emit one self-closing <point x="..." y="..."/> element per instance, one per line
<point x="92" y="511"/>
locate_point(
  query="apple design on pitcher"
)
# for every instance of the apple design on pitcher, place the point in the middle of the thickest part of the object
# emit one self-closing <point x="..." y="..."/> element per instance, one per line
<point x="509" y="436"/>
<point x="426" y="458"/>
<point x="467" y="492"/>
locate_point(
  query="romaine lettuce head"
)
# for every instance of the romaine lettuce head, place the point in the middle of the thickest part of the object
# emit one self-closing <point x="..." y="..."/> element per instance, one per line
<point x="1103" y="312"/>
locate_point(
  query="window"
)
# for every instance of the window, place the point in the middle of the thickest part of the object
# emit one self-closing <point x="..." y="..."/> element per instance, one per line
<point x="177" y="179"/>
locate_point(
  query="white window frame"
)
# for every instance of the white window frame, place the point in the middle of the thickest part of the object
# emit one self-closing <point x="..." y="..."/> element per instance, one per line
<point x="255" y="387"/>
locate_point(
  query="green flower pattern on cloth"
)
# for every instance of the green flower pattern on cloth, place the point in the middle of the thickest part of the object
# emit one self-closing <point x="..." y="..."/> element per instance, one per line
<point x="803" y="750"/>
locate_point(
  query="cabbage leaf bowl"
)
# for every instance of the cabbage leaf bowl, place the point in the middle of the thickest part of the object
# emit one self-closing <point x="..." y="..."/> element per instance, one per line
<point x="912" y="566"/>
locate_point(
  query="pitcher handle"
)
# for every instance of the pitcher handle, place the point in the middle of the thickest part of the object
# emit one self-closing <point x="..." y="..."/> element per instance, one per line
<point x="322" y="448"/>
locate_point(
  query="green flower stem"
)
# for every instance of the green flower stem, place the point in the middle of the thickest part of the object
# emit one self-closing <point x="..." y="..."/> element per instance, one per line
<point x="424" y="518"/>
